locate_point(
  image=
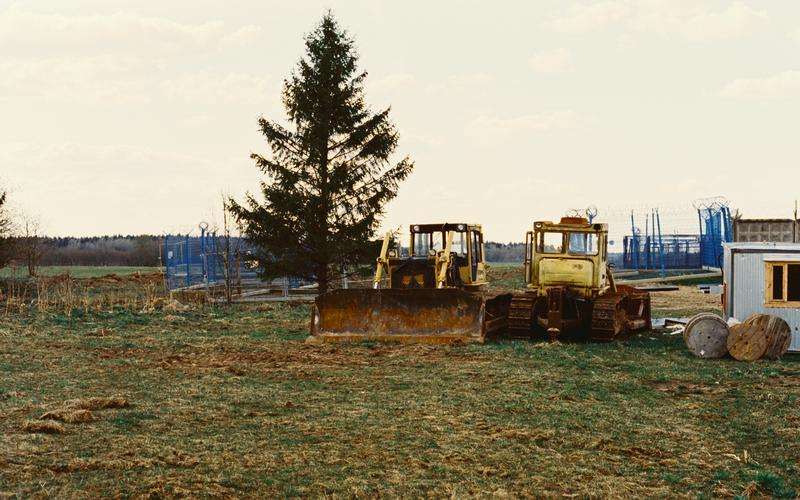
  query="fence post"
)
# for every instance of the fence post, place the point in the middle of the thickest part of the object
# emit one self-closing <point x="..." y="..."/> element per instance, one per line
<point x="166" y="261"/>
<point x="203" y="253"/>
<point x="188" y="262"/>
<point x="660" y="244"/>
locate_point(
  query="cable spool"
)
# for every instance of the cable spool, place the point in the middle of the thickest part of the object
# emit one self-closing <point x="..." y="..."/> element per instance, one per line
<point x="706" y="336"/>
<point x="760" y="336"/>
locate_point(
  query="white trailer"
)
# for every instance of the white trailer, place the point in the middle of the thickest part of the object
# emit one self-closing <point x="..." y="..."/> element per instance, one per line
<point x="763" y="278"/>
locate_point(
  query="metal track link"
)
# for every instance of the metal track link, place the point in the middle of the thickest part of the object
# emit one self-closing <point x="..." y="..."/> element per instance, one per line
<point x="608" y="316"/>
<point x="520" y="313"/>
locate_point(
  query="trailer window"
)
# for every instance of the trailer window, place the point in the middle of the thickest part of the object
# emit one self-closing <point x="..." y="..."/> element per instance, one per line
<point x="583" y="244"/>
<point x="782" y="287"/>
<point x="551" y="243"/>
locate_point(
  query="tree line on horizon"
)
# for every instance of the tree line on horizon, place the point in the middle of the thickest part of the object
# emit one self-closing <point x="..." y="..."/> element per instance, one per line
<point x="146" y="251"/>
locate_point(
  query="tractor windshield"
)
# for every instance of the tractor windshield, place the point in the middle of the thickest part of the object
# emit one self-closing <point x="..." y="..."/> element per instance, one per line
<point x="583" y="243"/>
<point x="423" y="243"/>
<point x="551" y="242"/>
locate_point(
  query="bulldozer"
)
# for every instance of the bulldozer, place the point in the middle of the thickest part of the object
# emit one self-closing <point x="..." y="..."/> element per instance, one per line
<point x="570" y="287"/>
<point x="435" y="294"/>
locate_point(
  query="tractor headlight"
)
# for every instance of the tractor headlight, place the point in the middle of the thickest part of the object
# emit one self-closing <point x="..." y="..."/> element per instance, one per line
<point x="392" y="253"/>
<point x="416" y="229"/>
<point x="461" y="227"/>
<point x="432" y="252"/>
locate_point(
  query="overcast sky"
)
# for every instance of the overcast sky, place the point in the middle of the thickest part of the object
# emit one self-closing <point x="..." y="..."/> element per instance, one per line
<point x="134" y="116"/>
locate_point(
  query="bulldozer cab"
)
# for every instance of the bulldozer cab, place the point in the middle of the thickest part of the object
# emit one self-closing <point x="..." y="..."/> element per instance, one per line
<point x="439" y="256"/>
<point x="572" y="254"/>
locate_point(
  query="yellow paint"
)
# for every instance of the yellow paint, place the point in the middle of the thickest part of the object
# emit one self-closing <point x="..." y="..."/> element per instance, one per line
<point x="575" y="272"/>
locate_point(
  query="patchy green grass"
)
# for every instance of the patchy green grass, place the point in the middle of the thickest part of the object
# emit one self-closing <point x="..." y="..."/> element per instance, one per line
<point x="77" y="271"/>
<point x="232" y="402"/>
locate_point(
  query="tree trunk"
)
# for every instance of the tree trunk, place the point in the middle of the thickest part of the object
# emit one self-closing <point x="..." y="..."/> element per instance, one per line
<point x="322" y="279"/>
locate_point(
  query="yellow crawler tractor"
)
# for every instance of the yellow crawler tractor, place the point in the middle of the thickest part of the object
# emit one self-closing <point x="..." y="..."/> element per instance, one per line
<point x="437" y="294"/>
<point x="570" y="287"/>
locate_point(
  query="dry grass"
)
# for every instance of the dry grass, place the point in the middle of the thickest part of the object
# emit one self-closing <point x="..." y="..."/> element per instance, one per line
<point x="68" y="415"/>
<point x="232" y="402"/>
<point x="46" y="427"/>
<point x="97" y="403"/>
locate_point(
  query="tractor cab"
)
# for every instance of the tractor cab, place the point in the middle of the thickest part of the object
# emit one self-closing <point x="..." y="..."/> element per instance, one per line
<point x="569" y="254"/>
<point x="446" y="255"/>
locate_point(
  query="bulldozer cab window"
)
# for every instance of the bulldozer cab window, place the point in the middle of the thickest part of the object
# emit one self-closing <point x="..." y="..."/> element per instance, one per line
<point x="583" y="244"/>
<point x="551" y="243"/>
<point x="459" y="244"/>
<point x="476" y="257"/>
<point x="477" y="247"/>
<point x="420" y="244"/>
<point x="425" y="242"/>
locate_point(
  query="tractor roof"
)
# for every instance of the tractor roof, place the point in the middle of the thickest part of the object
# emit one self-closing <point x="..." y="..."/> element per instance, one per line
<point x="570" y="224"/>
<point x="445" y="226"/>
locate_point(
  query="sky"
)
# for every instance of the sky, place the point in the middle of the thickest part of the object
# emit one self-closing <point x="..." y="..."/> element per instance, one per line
<point x="129" y="117"/>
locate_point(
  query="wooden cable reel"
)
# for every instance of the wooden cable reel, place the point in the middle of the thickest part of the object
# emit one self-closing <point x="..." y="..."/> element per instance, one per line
<point x="706" y="335"/>
<point x="760" y="336"/>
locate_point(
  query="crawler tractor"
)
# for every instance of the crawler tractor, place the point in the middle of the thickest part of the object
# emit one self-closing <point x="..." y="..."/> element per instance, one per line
<point x="570" y="287"/>
<point x="435" y="294"/>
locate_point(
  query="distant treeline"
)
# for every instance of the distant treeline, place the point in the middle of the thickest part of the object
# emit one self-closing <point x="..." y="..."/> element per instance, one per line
<point x="119" y="250"/>
<point x="504" y="252"/>
<point x="101" y="251"/>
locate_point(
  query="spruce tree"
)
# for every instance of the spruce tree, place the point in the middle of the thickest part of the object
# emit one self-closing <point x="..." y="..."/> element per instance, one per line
<point x="329" y="174"/>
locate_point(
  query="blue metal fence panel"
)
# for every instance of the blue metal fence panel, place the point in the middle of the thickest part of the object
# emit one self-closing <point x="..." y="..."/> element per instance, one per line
<point x="716" y="228"/>
<point x="672" y="251"/>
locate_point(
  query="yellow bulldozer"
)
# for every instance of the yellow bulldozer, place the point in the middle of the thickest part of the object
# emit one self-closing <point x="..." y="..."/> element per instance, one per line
<point x="436" y="294"/>
<point x="570" y="287"/>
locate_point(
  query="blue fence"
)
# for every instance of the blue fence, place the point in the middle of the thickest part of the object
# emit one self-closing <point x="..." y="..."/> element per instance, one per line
<point x="201" y="260"/>
<point x="716" y="228"/>
<point x="650" y="249"/>
<point x="674" y="251"/>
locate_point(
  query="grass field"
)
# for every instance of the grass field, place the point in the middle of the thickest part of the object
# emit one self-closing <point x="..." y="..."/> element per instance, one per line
<point x="76" y="271"/>
<point x="232" y="402"/>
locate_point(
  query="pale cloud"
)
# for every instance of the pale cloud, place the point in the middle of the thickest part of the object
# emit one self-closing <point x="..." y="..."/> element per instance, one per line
<point x="214" y="87"/>
<point x="491" y="129"/>
<point x="125" y="80"/>
<point x="582" y="18"/>
<point x="101" y="78"/>
<point x="105" y="184"/>
<point x="461" y="82"/>
<point x="422" y="139"/>
<point x="392" y="83"/>
<point x="242" y="37"/>
<point x="796" y="35"/>
<point x="670" y="18"/>
<point x="552" y="61"/>
<point x="121" y="31"/>
<point x="781" y="85"/>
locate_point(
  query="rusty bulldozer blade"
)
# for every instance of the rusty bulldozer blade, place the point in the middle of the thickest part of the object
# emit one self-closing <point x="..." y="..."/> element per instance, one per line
<point x="425" y="316"/>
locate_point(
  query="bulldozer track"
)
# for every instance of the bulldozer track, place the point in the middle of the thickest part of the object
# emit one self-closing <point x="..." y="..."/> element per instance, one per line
<point x="520" y="313"/>
<point x="608" y="316"/>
